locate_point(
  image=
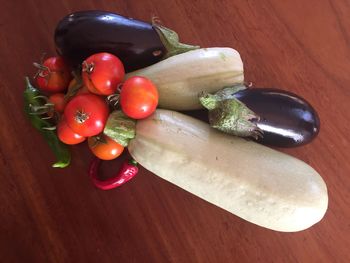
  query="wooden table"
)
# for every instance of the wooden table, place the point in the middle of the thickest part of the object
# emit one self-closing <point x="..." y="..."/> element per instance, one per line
<point x="56" y="215"/>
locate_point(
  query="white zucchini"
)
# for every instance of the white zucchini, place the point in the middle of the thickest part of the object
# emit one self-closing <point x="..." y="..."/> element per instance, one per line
<point x="254" y="182"/>
<point x="181" y="78"/>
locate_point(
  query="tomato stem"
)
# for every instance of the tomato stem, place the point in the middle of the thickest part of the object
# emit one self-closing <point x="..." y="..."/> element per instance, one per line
<point x="88" y="67"/>
<point x="81" y="116"/>
<point x="113" y="100"/>
<point x="97" y="139"/>
<point x="40" y="66"/>
<point x="43" y="71"/>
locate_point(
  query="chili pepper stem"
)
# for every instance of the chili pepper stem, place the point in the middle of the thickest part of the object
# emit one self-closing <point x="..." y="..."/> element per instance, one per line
<point x="133" y="162"/>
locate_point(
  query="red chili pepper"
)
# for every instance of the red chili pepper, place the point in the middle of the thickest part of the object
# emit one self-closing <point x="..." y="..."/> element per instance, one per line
<point x="127" y="171"/>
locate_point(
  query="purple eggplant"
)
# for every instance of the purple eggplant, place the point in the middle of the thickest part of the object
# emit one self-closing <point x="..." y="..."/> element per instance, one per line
<point x="136" y="43"/>
<point x="272" y="116"/>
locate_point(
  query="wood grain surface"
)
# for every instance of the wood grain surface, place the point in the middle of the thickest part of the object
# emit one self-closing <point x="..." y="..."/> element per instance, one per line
<point x="56" y="215"/>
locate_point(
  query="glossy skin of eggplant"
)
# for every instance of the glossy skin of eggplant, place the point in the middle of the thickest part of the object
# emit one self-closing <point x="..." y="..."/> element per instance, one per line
<point x="286" y="119"/>
<point x="81" y="34"/>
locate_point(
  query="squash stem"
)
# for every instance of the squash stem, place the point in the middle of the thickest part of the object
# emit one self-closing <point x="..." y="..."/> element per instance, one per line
<point x="120" y="128"/>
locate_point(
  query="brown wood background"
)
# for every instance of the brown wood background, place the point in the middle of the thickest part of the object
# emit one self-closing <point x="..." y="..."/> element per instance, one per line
<point x="54" y="215"/>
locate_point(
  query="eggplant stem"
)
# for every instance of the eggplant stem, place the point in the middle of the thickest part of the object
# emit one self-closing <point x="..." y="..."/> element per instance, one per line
<point x="156" y="20"/>
<point x="170" y="40"/>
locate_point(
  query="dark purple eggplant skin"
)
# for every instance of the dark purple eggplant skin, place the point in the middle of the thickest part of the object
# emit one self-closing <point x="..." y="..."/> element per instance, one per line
<point x="134" y="42"/>
<point x="286" y="119"/>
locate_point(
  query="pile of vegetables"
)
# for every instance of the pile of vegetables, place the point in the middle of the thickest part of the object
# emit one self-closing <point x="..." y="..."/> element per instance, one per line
<point x="120" y="83"/>
<point x="88" y="109"/>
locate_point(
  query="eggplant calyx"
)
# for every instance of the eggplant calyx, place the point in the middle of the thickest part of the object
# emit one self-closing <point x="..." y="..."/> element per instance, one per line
<point x="230" y="115"/>
<point x="120" y="127"/>
<point x="170" y="40"/>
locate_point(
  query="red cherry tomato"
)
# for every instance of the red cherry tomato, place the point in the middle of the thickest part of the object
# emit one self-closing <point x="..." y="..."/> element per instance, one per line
<point x="86" y="114"/>
<point x="58" y="101"/>
<point x="54" y="75"/>
<point x="138" y="97"/>
<point x="102" y="73"/>
<point x="104" y="147"/>
<point x="66" y="135"/>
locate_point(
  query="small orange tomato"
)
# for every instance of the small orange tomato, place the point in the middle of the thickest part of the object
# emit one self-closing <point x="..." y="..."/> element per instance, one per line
<point x="66" y="135"/>
<point x="58" y="101"/>
<point x="104" y="147"/>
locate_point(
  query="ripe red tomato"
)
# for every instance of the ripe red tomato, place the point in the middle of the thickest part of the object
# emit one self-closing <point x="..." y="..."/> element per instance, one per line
<point x="138" y="97"/>
<point x="66" y="135"/>
<point x="104" y="147"/>
<point x="58" y="101"/>
<point x="102" y="73"/>
<point x="86" y="114"/>
<point x="54" y="75"/>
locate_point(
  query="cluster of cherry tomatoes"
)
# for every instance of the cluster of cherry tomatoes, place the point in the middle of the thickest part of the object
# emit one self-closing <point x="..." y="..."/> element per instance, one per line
<point x="84" y="115"/>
